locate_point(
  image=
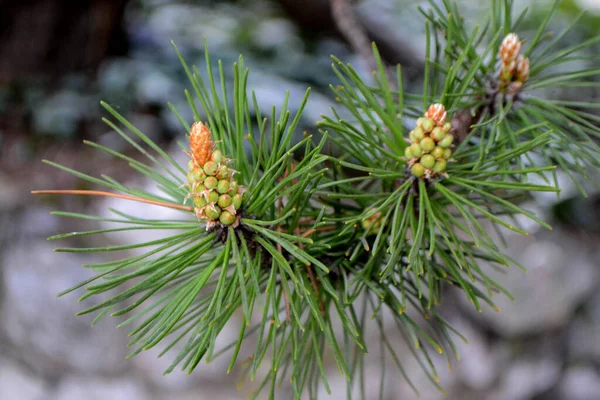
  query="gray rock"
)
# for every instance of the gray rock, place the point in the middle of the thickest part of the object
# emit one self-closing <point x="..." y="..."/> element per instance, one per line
<point x="16" y="383"/>
<point x="42" y="328"/>
<point x="585" y="331"/>
<point x="150" y="366"/>
<point x="526" y="378"/>
<point x="580" y="383"/>
<point x="82" y="387"/>
<point x="9" y="193"/>
<point x="481" y="361"/>
<point x="562" y="270"/>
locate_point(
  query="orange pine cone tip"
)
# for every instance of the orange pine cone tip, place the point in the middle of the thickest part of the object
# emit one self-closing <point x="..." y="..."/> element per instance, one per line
<point x="201" y="145"/>
<point x="437" y="113"/>
<point x="510" y="48"/>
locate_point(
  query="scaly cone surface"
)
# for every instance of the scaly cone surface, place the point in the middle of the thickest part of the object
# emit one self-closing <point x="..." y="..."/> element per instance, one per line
<point x="514" y="67"/>
<point x="217" y="195"/>
<point x="429" y="151"/>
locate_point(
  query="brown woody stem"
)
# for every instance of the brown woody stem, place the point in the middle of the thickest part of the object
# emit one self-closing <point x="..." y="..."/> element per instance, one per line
<point x="119" y="196"/>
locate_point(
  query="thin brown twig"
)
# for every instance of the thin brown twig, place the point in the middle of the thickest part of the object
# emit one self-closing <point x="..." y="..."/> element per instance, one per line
<point x="119" y="196"/>
<point x="353" y="31"/>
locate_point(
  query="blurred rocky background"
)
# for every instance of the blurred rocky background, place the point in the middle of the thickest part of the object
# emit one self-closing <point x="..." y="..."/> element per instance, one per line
<point x="58" y="58"/>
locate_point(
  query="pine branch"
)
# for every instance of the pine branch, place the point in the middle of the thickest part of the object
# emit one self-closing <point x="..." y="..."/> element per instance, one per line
<point x="302" y="242"/>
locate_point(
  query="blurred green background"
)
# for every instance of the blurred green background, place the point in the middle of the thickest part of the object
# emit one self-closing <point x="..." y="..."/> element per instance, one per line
<point x="59" y="58"/>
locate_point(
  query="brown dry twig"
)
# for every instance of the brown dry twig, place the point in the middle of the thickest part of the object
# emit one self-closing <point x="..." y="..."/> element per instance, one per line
<point x="119" y="196"/>
<point x="353" y="32"/>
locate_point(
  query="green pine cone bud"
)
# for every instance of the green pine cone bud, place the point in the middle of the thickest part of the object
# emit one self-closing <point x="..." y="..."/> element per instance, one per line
<point x="191" y="177"/>
<point x="199" y="202"/>
<point x="210" y="168"/>
<point x="217" y="156"/>
<point x="420" y="121"/>
<point x="418" y="170"/>
<point x="227" y="218"/>
<point x="211" y="182"/>
<point x="447" y="141"/>
<point x="236" y="200"/>
<point x="447" y="154"/>
<point x="233" y="188"/>
<point x="412" y="137"/>
<point x="408" y="153"/>
<point x="224" y="201"/>
<point x="447" y="127"/>
<point x="212" y="211"/>
<point x="427" y="144"/>
<point x="223" y="186"/>
<point x="416" y="150"/>
<point x="428" y="160"/>
<point x="213" y="197"/>
<point x="438" y="133"/>
<point x="419" y="133"/>
<point x="440" y="166"/>
<point x="427" y="125"/>
<point x="438" y="152"/>
<point x="222" y="172"/>
<point x="195" y="176"/>
<point x="191" y="165"/>
<point x="198" y="189"/>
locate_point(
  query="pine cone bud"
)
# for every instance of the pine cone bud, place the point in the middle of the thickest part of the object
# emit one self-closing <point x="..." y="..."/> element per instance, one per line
<point x="418" y="170"/>
<point x="416" y="150"/>
<point x="233" y="188"/>
<point x="510" y="48"/>
<point x="201" y="145"/>
<point x="439" y="166"/>
<point x="430" y="141"/>
<point x="212" y="211"/>
<point x="213" y="197"/>
<point x="437" y="113"/>
<point x="438" y="133"/>
<point x="217" y="156"/>
<point x="428" y="161"/>
<point x="227" y="218"/>
<point x="224" y="201"/>
<point x="236" y="201"/>
<point x="223" y="186"/>
<point x="211" y="182"/>
<point x="210" y="168"/>
<point x="418" y="133"/>
<point x="427" y="144"/>
<point x="522" y="68"/>
<point x="507" y="71"/>
<point x="438" y="152"/>
<point x="427" y="125"/>
<point x="216" y="196"/>
<point x="196" y="175"/>
<point x="447" y="141"/>
<point x="199" y="202"/>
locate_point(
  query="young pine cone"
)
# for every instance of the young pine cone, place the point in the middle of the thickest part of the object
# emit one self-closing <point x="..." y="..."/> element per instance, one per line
<point x="431" y="139"/>
<point x="514" y="67"/>
<point x="217" y="195"/>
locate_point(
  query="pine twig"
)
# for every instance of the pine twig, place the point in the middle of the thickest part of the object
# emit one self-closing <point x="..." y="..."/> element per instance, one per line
<point x="350" y="27"/>
<point x="116" y="195"/>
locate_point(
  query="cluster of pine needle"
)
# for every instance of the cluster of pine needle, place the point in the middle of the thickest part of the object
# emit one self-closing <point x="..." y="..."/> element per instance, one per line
<point x="307" y="245"/>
